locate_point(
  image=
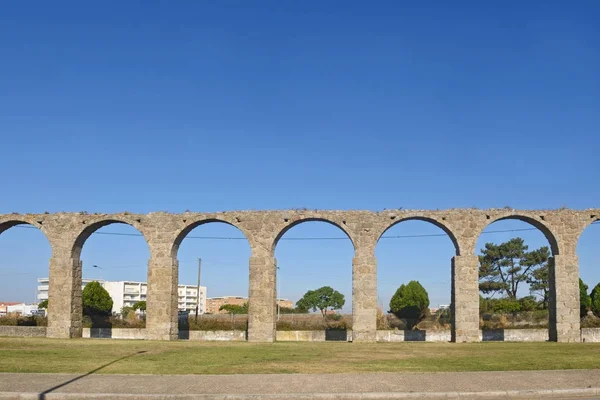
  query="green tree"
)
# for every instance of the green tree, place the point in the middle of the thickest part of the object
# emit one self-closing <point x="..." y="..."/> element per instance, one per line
<point x="140" y="305"/>
<point x="595" y="299"/>
<point x="539" y="282"/>
<point x="410" y="301"/>
<point x="43" y="304"/>
<point x="585" y="301"/>
<point x="234" y="308"/>
<point x="96" y="300"/>
<point x="125" y="310"/>
<point x="503" y="267"/>
<point x="321" y="299"/>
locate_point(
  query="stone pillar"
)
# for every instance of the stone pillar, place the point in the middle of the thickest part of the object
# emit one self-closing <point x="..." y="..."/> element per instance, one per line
<point x="64" y="298"/>
<point x="161" y="299"/>
<point x="261" y="302"/>
<point x="465" y="299"/>
<point x="564" y="298"/>
<point x="364" y="298"/>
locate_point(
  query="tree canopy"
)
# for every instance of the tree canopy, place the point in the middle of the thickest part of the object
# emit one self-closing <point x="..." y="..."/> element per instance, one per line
<point x="585" y="302"/>
<point x="410" y="301"/>
<point x="539" y="282"/>
<point x="503" y="267"/>
<point x="234" y="308"/>
<point x="321" y="299"/>
<point x="595" y="300"/>
<point x="140" y="305"/>
<point x="96" y="300"/>
<point x="43" y="304"/>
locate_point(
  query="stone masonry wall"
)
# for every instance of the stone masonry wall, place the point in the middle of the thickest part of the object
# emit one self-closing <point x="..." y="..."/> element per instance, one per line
<point x="23" y="331"/>
<point x="163" y="232"/>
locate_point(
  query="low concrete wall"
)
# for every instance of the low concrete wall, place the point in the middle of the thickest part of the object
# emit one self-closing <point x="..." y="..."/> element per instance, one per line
<point x="114" y="333"/>
<point x="498" y="335"/>
<point x="232" y="336"/>
<point x="300" y="336"/>
<point x="590" y="335"/>
<point x="412" y="336"/>
<point x="514" y="335"/>
<point x="23" y="331"/>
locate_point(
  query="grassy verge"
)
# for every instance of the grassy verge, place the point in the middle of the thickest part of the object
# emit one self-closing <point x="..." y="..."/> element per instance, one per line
<point x="144" y="357"/>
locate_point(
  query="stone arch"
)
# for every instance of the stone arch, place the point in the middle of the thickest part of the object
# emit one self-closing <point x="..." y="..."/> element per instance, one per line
<point x="12" y="222"/>
<point x="291" y="224"/>
<point x="545" y="229"/>
<point x="433" y="221"/>
<point x="191" y="225"/>
<point x="93" y="226"/>
<point x="5" y="225"/>
<point x="593" y="219"/>
<point x="9" y="223"/>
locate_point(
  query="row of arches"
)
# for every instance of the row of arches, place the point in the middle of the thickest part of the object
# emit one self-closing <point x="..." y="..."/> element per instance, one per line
<point x="98" y="227"/>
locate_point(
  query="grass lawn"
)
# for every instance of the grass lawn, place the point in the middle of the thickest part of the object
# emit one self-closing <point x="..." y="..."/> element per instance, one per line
<point x="145" y="357"/>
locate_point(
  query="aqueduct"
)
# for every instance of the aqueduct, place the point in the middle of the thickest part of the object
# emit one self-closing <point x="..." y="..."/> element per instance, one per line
<point x="164" y="232"/>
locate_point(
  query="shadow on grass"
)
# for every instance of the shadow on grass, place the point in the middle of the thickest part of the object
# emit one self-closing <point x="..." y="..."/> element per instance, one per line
<point x="42" y="396"/>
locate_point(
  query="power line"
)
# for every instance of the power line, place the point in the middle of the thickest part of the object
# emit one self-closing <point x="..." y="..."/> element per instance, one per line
<point x="309" y="238"/>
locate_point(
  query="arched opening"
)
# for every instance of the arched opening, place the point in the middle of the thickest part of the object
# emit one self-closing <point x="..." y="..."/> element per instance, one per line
<point x="412" y="256"/>
<point x="212" y="257"/>
<point x="314" y="261"/>
<point x="26" y="253"/>
<point x="113" y="255"/>
<point x="515" y="284"/>
<point x="589" y="273"/>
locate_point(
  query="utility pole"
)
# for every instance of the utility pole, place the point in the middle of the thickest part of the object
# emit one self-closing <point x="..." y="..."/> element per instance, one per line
<point x="100" y="268"/>
<point x="198" y="290"/>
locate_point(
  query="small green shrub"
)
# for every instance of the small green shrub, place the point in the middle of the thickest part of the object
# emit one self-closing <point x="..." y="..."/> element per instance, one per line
<point x="410" y="302"/>
<point x="96" y="300"/>
<point x="529" y="303"/>
<point x="506" y="306"/>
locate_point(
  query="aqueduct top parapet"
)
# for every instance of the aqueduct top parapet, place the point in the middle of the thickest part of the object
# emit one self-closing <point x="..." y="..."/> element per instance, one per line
<point x="165" y="231"/>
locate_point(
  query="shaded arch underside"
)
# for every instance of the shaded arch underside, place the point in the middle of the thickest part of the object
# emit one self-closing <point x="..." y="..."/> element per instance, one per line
<point x="186" y="231"/>
<point x="536" y="224"/>
<point x="89" y="230"/>
<point x="301" y="221"/>
<point x="428" y="220"/>
<point x="4" y="226"/>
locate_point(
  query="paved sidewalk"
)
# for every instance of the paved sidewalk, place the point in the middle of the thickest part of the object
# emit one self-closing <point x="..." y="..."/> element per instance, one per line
<point x="519" y="384"/>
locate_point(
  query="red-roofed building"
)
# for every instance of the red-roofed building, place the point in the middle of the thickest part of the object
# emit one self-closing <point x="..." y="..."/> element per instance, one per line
<point x="4" y="305"/>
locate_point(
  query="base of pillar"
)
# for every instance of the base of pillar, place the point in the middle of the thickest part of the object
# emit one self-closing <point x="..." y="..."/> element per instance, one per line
<point x="261" y="332"/>
<point x="166" y="332"/>
<point x="364" y="336"/>
<point x="258" y="336"/>
<point x="464" y="336"/>
<point x="570" y="336"/>
<point x="63" y="332"/>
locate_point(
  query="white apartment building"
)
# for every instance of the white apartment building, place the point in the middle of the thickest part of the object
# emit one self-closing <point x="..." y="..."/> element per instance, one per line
<point x="42" y="288"/>
<point x="127" y="293"/>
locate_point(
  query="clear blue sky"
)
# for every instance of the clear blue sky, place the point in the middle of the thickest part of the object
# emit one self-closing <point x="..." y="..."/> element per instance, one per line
<point x="212" y="106"/>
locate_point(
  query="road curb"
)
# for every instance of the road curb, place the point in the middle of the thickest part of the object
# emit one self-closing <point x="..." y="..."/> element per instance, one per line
<point x="498" y="394"/>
